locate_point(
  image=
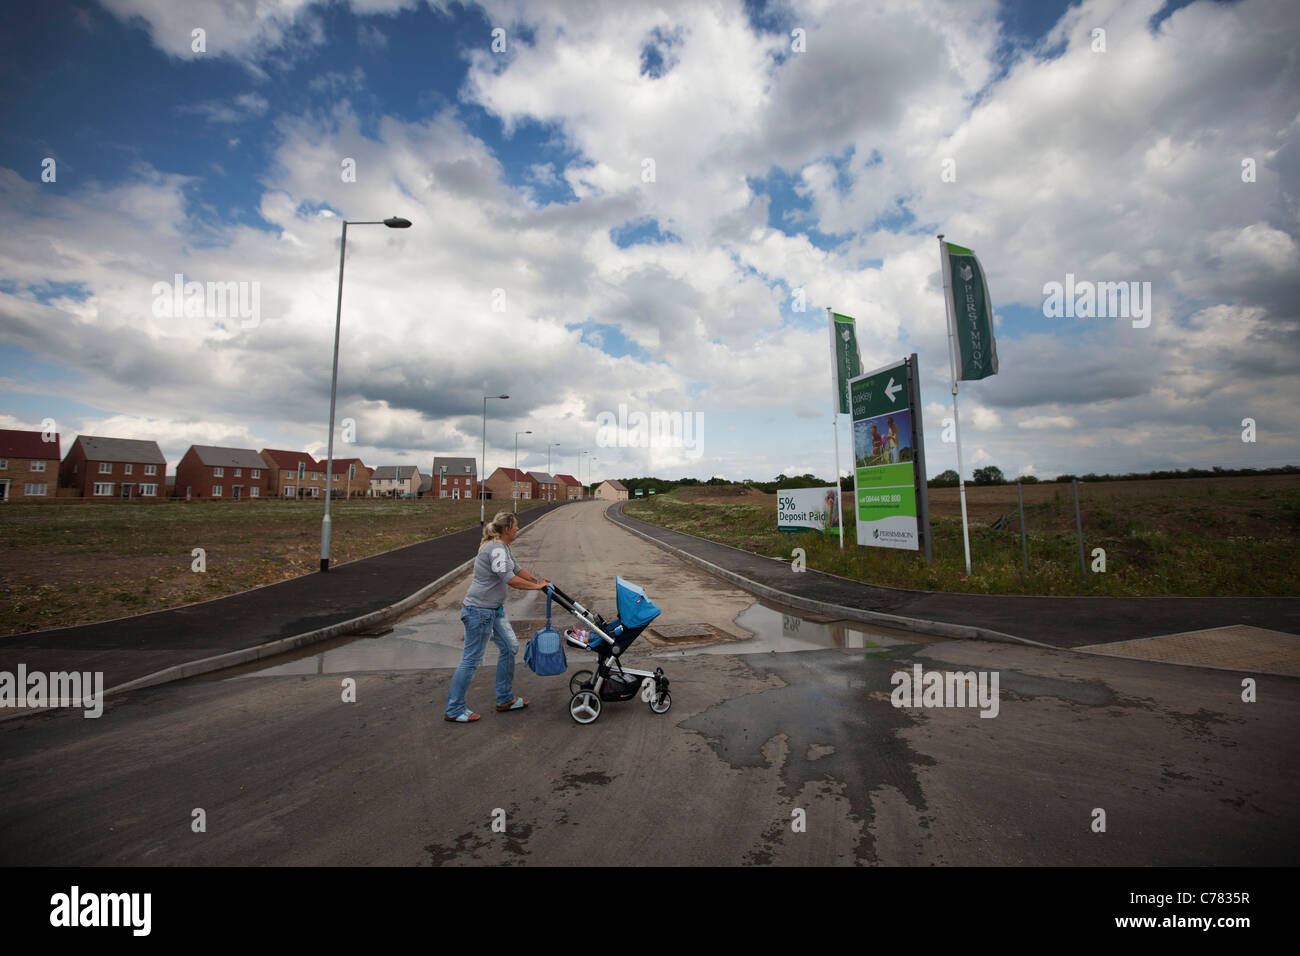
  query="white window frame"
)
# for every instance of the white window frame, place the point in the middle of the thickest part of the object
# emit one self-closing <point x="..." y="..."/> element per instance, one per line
<point x="105" y="467"/>
<point x="291" y="491"/>
<point x="4" y="464"/>
<point x="255" y="492"/>
<point x="103" y="489"/>
<point x="216" y="491"/>
<point x="30" y="493"/>
<point x="256" y="473"/>
<point x="129" y="467"/>
<point x="149" y="490"/>
<point x="38" y="464"/>
<point x="151" y="469"/>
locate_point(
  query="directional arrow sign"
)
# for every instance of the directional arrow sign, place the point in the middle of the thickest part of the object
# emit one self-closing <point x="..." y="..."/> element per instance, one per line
<point x="885" y="447"/>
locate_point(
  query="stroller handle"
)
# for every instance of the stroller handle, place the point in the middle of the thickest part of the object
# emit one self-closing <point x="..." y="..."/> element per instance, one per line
<point x="573" y="607"/>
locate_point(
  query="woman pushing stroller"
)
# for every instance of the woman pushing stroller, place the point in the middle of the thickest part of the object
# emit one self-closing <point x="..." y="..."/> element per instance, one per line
<point x="483" y="614"/>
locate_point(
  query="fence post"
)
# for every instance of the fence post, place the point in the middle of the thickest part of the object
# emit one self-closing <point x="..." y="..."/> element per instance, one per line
<point x="1024" y="544"/>
<point x="1078" y="528"/>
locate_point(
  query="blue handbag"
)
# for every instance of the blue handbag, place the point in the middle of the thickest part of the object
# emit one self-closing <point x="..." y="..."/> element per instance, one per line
<point x="544" y="654"/>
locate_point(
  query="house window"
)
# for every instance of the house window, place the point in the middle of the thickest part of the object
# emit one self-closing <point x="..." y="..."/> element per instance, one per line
<point x="103" y="487"/>
<point x="149" y="491"/>
<point x="216" y="491"/>
<point x="4" y="464"/>
<point x="38" y="466"/>
<point x="218" y="472"/>
<point x="151" y="469"/>
<point x="34" y="488"/>
<point x="290" y="491"/>
<point x="239" y="472"/>
<point x="128" y="466"/>
<point x="256" y="473"/>
<point x="256" y="492"/>
<point x="105" y="467"/>
<point x="315" y="492"/>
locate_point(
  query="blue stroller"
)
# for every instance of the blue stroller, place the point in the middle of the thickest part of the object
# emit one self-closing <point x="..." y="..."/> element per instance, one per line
<point x="612" y="682"/>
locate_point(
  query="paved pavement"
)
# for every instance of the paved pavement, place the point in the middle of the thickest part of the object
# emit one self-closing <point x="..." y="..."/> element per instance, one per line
<point x="1065" y="622"/>
<point x="277" y="617"/>
<point x="270" y="617"/>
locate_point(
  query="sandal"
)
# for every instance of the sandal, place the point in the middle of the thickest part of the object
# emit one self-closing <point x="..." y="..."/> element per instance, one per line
<point x="519" y="704"/>
<point x="464" y="718"/>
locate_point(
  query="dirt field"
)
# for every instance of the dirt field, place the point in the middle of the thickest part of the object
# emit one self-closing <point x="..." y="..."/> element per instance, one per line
<point x="1179" y="502"/>
<point x="1192" y="536"/>
<point x="75" y="562"/>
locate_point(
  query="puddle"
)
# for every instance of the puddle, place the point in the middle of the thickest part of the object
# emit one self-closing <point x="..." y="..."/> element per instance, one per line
<point x="780" y="631"/>
<point x="435" y="639"/>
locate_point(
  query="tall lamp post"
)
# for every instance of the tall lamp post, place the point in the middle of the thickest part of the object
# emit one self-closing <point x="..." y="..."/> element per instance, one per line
<point x="514" y="486"/>
<point x="548" y="455"/>
<point x="581" y="462"/>
<point x="392" y="222"/>
<point x="482" y="487"/>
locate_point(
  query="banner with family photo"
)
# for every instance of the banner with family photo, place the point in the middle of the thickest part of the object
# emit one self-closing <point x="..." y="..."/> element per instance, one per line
<point x="884" y="452"/>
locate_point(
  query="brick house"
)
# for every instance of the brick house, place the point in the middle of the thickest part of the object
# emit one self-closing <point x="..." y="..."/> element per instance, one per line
<point x="611" y="490"/>
<point x="395" y="481"/>
<point x="293" y="474"/>
<point x="29" y="465"/>
<point x="545" y="487"/>
<point x="226" y="474"/>
<point x="351" y="478"/>
<point x="508" y="483"/>
<point x="455" y="477"/>
<point x="570" y="488"/>
<point x="107" y="468"/>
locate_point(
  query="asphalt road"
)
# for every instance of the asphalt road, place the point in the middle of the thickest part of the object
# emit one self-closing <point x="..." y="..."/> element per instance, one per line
<point x="285" y="772"/>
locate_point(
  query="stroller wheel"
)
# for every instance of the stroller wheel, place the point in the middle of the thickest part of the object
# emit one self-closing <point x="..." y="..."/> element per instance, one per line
<point x="580" y="680"/>
<point x="585" y="707"/>
<point x="661" y="703"/>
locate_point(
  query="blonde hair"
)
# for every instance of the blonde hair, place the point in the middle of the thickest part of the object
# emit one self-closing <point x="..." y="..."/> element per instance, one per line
<point x="493" y="529"/>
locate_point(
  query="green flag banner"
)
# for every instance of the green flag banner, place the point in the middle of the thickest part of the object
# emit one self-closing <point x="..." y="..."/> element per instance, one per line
<point x="972" y="311"/>
<point x="847" y="362"/>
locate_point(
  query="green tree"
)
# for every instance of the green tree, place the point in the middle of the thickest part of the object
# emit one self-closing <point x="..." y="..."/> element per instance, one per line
<point x="989" y="475"/>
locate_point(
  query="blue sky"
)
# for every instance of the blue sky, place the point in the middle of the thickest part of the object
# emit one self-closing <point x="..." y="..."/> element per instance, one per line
<point x="547" y="261"/>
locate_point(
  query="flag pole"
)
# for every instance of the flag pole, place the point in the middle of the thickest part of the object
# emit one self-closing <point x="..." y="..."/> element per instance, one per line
<point x="956" y="422"/>
<point x="835" y="419"/>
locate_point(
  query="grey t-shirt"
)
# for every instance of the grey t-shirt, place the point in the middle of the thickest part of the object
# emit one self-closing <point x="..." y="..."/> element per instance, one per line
<point x="493" y="567"/>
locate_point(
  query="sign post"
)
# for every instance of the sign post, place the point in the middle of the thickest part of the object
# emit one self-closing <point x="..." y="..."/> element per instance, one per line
<point x="890" y="495"/>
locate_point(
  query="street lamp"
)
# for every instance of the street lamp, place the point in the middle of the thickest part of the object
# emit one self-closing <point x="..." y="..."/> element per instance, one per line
<point x="548" y="455"/>
<point x="514" y="486"/>
<point x="482" y="488"/>
<point x="580" y="464"/>
<point x="392" y="222"/>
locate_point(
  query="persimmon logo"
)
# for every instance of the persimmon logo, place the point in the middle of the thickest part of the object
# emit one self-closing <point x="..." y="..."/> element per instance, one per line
<point x="75" y="909"/>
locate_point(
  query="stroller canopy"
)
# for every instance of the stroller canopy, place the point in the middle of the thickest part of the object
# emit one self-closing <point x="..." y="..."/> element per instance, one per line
<point x="634" y="608"/>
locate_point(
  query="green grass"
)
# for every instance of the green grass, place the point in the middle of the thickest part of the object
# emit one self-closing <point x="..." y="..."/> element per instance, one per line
<point x="1162" y="546"/>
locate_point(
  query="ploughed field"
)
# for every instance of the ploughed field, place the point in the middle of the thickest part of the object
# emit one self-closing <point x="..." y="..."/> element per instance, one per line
<point x="1190" y="536"/>
<point x="76" y="562"/>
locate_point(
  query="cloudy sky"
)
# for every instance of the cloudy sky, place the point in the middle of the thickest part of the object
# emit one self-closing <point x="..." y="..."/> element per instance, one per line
<point x="649" y="206"/>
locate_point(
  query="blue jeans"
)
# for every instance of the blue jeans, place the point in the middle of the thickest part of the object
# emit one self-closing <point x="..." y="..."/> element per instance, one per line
<point x="480" y="623"/>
